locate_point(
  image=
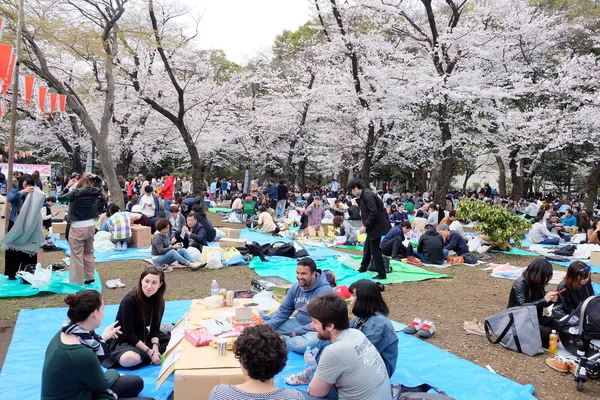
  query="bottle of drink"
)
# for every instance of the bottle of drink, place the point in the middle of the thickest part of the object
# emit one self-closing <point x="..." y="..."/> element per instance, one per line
<point x="309" y="358"/>
<point x="214" y="288"/>
<point x="553" y="348"/>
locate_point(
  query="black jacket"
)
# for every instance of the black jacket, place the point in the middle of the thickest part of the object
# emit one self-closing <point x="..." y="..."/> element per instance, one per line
<point x="353" y="213"/>
<point x="211" y="232"/>
<point x="373" y="214"/>
<point x="431" y="245"/>
<point x="569" y="299"/>
<point x="282" y="192"/>
<point x="83" y="204"/>
<point x="525" y="294"/>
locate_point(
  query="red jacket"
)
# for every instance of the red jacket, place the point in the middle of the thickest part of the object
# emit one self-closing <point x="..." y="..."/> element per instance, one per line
<point x="130" y="188"/>
<point x="167" y="189"/>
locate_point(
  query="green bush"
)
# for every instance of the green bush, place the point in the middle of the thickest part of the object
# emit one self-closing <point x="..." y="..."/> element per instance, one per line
<point x="495" y="222"/>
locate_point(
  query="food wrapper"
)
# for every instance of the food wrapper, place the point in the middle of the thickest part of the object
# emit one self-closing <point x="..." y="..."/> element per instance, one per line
<point x="199" y="337"/>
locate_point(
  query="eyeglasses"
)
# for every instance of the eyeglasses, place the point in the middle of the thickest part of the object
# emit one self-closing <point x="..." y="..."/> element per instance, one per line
<point x="157" y="268"/>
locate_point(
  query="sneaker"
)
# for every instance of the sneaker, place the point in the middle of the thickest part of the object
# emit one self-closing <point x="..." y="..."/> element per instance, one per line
<point x="301" y="378"/>
<point x="89" y="281"/>
<point x="118" y="246"/>
<point x="124" y="246"/>
<point x="380" y="276"/>
<point x="413" y="327"/>
<point x="111" y="284"/>
<point x="118" y="283"/>
<point x="558" y="363"/>
<point x="412" y="260"/>
<point x="427" y="330"/>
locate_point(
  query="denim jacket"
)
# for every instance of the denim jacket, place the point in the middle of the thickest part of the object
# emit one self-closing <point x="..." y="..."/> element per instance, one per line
<point x="379" y="330"/>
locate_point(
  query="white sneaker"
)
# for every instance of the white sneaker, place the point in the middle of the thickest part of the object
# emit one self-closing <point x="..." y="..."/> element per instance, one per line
<point x="123" y="245"/>
<point x="111" y="284"/>
<point x="118" y="246"/>
<point x="118" y="283"/>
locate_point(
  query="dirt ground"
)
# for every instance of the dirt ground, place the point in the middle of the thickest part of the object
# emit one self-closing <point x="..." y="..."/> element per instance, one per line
<point x="472" y="293"/>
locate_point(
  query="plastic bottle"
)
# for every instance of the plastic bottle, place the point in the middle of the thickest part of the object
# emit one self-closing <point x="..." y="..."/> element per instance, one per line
<point x="309" y="358"/>
<point x="553" y="348"/>
<point x="214" y="288"/>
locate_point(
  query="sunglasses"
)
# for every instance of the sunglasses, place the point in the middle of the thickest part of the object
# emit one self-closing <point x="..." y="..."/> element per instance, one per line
<point x="157" y="268"/>
<point x="584" y="271"/>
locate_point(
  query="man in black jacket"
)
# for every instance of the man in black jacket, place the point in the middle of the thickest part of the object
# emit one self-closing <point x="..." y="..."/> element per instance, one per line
<point x="431" y="247"/>
<point x="375" y="223"/>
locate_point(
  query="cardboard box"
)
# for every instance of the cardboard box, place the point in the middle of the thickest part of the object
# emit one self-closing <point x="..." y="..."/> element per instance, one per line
<point x="226" y="242"/>
<point x="231" y="233"/>
<point x="199" y="369"/>
<point x="141" y="236"/>
<point x="197" y="384"/>
<point x="281" y="290"/>
<point x="59" y="227"/>
<point x="595" y="258"/>
<point x="62" y="236"/>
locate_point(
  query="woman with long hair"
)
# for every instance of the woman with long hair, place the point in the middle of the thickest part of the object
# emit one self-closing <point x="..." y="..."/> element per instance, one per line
<point x="140" y="314"/>
<point x="85" y="201"/>
<point x="530" y="290"/>
<point x="72" y="363"/>
<point x="578" y="287"/>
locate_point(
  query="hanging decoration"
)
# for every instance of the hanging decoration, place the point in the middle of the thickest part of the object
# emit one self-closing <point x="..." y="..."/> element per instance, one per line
<point x="52" y="103"/>
<point x="6" y="54"/>
<point x="42" y="98"/>
<point x="9" y="73"/>
<point x="62" y="99"/>
<point x="1" y="27"/>
<point x="29" y="82"/>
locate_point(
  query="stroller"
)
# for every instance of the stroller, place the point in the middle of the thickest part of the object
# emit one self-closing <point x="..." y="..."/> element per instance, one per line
<point x="584" y="326"/>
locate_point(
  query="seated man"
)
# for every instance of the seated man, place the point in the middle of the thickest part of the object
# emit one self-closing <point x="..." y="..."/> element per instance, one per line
<point x="398" y="215"/>
<point x="315" y="214"/>
<point x="392" y="244"/>
<point x="554" y="226"/>
<point x="192" y="234"/>
<point x="431" y="247"/>
<point x="453" y="241"/>
<point x="298" y="331"/>
<point x="350" y="367"/>
<point x="569" y="219"/>
<point x="539" y="234"/>
<point x="211" y="232"/>
<point x="448" y="219"/>
<point x="353" y="211"/>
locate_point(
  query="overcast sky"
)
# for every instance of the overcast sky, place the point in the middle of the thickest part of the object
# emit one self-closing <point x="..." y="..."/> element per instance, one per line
<point x="245" y="27"/>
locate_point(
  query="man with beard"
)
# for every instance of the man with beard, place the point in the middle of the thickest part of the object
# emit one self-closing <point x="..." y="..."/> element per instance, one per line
<point x="297" y="331"/>
<point x="350" y="365"/>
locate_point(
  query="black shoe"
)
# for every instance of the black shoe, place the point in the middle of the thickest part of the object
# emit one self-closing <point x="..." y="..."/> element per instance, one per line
<point x="198" y="267"/>
<point x="89" y="281"/>
<point x="12" y="278"/>
<point x="380" y="276"/>
<point x="362" y="270"/>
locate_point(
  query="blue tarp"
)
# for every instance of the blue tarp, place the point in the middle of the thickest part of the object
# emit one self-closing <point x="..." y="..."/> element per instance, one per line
<point x="418" y="362"/>
<point x="59" y="283"/>
<point x="110" y="255"/>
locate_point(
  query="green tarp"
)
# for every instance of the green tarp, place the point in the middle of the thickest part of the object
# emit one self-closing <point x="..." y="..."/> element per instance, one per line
<point x="217" y="209"/>
<point x="59" y="284"/>
<point x="286" y="268"/>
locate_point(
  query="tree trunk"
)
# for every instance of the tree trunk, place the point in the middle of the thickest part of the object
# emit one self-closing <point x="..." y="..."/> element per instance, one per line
<point x="441" y="180"/>
<point x="125" y="160"/>
<point x="517" y="180"/>
<point x="468" y="175"/>
<point x="343" y="178"/>
<point x="365" y="172"/>
<point x="502" y="177"/>
<point x="593" y="181"/>
<point x="302" y="174"/>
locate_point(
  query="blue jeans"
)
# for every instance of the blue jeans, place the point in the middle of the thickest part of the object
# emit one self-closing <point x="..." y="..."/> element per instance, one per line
<point x="181" y="256"/>
<point x="426" y="261"/>
<point x="550" y="241"/>
<point x="166" y="206"/>
<point x="297" y="344"/>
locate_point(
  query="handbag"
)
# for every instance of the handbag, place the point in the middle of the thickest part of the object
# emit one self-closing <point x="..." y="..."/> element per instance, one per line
<point x="517" y="329"/>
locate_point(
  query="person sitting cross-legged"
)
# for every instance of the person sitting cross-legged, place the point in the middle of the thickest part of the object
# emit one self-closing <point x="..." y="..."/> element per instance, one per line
<point x="539" y="234"/>
<point x="392" y="244"/>
<point x="192" y="234"/>
<point x="431" y="247"/>
<point x="297" y="330"/>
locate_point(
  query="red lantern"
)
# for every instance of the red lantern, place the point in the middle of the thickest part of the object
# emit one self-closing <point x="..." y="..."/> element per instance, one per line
<point x="29" y="81"/>
<point x="61" y="99"/>
<point x="52" y="103"/>
<point x="42" y="98"/>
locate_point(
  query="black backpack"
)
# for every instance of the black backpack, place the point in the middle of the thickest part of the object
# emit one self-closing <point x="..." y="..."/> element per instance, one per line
<point x="567" y="250"/>
<point x="386" y="265"/>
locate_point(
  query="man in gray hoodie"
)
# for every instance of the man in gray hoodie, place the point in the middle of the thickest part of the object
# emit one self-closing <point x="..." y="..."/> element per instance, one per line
<point x="297" y="331"/>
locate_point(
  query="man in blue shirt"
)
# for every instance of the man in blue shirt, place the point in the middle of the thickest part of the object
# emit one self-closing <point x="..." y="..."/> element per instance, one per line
<point x="569" y="219"/>
<point x="392" y="244"/>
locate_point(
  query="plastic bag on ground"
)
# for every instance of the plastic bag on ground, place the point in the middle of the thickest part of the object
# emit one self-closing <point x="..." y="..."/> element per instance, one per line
<point x="349" y="262"/>
<point x="195" y="253"/>
<point x="213" y="261"/>
<point x="40" y="278"/>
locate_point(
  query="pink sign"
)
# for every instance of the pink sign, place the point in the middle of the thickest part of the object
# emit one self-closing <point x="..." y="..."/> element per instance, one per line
<point x="43" y="169"/>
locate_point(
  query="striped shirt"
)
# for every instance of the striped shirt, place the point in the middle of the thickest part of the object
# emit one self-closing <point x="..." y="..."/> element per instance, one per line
<point x="228" y="392"/>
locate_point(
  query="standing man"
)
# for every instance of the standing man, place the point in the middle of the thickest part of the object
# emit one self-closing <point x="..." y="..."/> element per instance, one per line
<point x="282" y="194"/>
<point x="350" y="366"/>
<point x="167" y="189"/>
<point x="297" y="331"/>
<point x="335" y="188"/>
<point x="375" y="223"/>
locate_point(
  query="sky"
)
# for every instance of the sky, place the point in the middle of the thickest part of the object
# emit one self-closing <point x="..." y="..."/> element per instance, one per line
<point x="246" y="28"/>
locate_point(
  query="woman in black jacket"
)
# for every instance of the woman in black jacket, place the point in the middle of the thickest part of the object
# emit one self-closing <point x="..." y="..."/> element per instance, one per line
<point x="578" y="287"/>
<point x="85" y="199"/>
<point x="530" y="290"/>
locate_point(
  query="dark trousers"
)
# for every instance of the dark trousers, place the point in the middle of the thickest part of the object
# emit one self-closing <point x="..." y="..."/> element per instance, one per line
<point x="15" y="260"/>
<point x="394" y="248"/>
<point x="128" y="387"/>
<point x="372" y="249"/>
